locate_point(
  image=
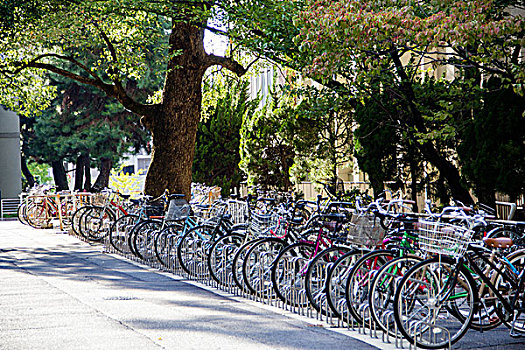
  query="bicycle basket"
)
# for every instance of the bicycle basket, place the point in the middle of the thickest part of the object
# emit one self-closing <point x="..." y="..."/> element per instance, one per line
<point x="214" y="213"/>
<point x="178" y="209"/>
<point x="443" y="238"/>
<point x="259" y="224"/>
<point x="238" y="211"/>
<point x="154" y="209"/>
<point x="364" y="229"/>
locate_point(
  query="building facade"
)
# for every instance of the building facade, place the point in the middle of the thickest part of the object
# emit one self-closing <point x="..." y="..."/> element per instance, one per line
<point x="10" y="168"/>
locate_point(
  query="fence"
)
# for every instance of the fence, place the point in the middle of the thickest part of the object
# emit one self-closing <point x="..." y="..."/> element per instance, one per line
<point x="9" y="206"/>
<point x="311" y="190"/>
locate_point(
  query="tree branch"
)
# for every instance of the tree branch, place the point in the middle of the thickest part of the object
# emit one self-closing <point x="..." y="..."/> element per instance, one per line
<point x="110" y="90"/>
<point x="226" y="62"/>
<point x="61" y="57"/>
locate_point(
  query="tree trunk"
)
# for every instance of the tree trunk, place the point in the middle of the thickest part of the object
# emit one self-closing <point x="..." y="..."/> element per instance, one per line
<point x="447" y="171"/>
<point x="87" y="173"/>
<point x="27" y="174"/>
<point x="59" y="175"/>
<point x="413" y="184"/>
<point x="174" y="129"/>
<point x="103" y="177"/>
<point x="415" y="120"/>
<point x="79" y="173"/>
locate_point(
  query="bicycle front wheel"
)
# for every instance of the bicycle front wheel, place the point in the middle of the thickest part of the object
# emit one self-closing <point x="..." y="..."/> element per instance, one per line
<point x="428" y="300"/>
<point x="258" y="263"/>
<point x="120" y="231"/>
<point x="192" y="251"/>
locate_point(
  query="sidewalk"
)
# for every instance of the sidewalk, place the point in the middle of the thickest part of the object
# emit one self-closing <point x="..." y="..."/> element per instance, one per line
<point x="57" y="292"/>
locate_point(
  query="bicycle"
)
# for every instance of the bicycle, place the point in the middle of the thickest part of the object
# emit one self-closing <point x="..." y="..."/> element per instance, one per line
<point x="438" y="299"/>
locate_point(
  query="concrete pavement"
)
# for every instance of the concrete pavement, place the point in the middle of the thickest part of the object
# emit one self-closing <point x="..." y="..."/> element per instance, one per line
<point x="57" y="292"/>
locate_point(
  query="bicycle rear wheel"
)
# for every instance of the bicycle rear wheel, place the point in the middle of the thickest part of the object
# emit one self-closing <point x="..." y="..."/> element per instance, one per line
<point x="257" y="265"/>
<point x="288" y="273"/>
<point x="220" y="258"/>
<point x="317" y="273"/>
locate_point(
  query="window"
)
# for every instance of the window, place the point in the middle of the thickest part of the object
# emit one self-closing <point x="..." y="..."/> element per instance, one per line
<point x="143" y="164"/>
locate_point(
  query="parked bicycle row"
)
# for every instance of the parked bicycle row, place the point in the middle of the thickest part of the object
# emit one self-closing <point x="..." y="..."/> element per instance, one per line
<point x="425" y="277"/>
<point x="42" y="206"/>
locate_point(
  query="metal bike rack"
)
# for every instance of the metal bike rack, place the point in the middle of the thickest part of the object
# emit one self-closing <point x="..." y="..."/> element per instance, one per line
<point x="419" y="324"/>
<point x="294" y="290"/>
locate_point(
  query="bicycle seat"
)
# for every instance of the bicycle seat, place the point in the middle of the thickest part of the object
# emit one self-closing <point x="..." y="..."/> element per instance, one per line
<point x="501" y="242"/>
<point x="176" y="196"/>
<point x="337" y="217"/>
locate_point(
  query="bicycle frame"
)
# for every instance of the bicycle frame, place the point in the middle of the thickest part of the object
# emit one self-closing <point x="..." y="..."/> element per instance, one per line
<point x="516" y="285"/>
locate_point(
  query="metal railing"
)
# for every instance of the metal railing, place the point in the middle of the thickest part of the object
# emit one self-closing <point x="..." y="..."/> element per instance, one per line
<point x="9" y="206"/>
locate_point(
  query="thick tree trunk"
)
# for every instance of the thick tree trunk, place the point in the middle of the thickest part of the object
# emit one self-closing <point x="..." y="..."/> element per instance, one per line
<point x="174" y="129"/>
<point x="103" y="177"/>
<point x="173" y="123"/>
<point x="27" y="174"/>
<point x="59" y="174"/>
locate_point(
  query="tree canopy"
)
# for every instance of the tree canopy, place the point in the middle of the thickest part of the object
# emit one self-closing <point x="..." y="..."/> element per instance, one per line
<point x="108" y="45"/>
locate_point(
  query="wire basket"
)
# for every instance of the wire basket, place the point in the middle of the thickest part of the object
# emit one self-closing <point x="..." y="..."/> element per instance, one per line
<point x="214" y="213"/>
<point x="238" y="211"/>
<point x="443" y="238"/>
<point x="260" y="224"/>
<point x="364" y="229"/>
<point x="178" y="209"/>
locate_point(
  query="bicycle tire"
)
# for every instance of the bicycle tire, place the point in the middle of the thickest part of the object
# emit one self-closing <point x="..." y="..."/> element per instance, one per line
<point x="336" y="282"/>
<point x="120" y="231"/>
<point x="75" y="220"/>
<point x="21" y="214"/>
<point x="383" y="288"/>
<point x="517" y="259"/>
<point x="417" y="303"/>
<point x="316" y="275"/>
<point x="192" y="250"/>
<point x="257" y="265"/>
<point x="37" y="216"/>
<point x="359" y="280"/>
<point x="288" y="272"/>
<point x="237" y="264"/>
<point x="166" y="244"/>
<point x="143" y="240"/>
<point x="220" y="258"/>
<point x="95" y="223"/>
